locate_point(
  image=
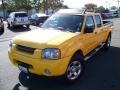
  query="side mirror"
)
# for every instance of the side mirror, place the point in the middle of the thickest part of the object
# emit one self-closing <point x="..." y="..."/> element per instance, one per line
<point x="88" y="29"/>
<point x="40" y="24"/>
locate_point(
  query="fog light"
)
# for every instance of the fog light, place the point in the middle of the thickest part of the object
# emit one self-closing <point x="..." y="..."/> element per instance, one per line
<point x="47" y="72"/>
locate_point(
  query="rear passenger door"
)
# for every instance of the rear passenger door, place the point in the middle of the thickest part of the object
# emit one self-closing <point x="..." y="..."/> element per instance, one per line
<point x="90" y="39"/>
<point x="100" y="30"/>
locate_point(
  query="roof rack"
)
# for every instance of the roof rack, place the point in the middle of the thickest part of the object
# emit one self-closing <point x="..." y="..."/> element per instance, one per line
<point x="74" y="11"/>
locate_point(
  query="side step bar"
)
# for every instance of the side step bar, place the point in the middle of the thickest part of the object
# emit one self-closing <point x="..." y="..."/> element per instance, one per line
<point x="93" y="52"/>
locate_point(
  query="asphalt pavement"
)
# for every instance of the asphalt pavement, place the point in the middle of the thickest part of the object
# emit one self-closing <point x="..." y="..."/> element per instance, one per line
<point x="9" y="33"/>
<point x="102" y="71"/>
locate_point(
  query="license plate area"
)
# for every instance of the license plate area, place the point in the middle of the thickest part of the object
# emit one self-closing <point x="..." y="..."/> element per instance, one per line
<point x="23" y="69"/>
<point x="22" y="20"/>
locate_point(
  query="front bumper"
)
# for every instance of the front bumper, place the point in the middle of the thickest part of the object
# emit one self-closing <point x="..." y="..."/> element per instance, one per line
<point x="40" y="66"/>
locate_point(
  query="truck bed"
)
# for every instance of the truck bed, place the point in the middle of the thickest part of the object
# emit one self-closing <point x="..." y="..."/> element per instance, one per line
<point x="106" y="22"/>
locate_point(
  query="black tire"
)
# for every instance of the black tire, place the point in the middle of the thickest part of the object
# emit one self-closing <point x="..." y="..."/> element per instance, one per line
<point x="107" y="43"/>
<point x="24" y="78"/>
<point x="8" y="25"/>
<point x="35" y="23"/>
<point x="74" y="70"/>
<point x="2" y="31"/>
<point x="12" y="26"/>
<point x="27" y="26"/>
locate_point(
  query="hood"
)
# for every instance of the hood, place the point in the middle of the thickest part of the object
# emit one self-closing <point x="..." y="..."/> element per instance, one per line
<point x="43" y="38"/>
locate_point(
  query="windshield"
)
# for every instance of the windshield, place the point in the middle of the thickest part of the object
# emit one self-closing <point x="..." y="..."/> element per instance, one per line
<point x="71" y="23"/>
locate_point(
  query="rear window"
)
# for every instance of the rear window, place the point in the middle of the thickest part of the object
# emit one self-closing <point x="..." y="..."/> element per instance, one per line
<point x="21" y="15"/>
<point x="42" y="19"/>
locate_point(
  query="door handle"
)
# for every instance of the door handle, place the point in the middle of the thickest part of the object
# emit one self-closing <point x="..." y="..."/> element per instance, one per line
<point x="96" y="32"/>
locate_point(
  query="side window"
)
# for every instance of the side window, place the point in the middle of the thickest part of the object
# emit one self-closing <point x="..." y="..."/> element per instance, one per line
<point x="98" y="21"/>
<point x="89" y="25"/>
<point x="90" y="22"/>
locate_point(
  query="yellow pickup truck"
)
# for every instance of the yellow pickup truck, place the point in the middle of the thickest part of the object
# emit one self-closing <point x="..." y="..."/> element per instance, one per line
<point x="61" y="46"/>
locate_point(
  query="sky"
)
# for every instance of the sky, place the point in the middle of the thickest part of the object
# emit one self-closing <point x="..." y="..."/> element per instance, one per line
<point x="81" y="3"/>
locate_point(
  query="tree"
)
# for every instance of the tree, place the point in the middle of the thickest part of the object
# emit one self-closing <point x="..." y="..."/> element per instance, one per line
<point x="106" y="11"/>
<point x="10" y="5"/>
<point x="51" y="4"/>
<point x="16" y="5"/>
<point x="113" y="7"/>
<point x="54" y="4"/>
<point x="65" y="6"/>
<point x="91" y="6"/>
<point x="100" y="9"/>
<point x="23" y="4"/>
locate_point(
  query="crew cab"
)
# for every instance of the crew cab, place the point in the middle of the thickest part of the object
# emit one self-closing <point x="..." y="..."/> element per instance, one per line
<point x="60" y="47"/>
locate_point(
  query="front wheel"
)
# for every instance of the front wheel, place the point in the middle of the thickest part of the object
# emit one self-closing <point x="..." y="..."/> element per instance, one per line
<point x="24" y="78"/>
<point x="74" y="70"/>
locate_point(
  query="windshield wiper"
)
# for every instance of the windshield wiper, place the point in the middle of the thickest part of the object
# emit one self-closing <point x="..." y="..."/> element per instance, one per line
<point x="69" y="30"/>
<point x="65" y="29"/>
<point x="60" y="28"/>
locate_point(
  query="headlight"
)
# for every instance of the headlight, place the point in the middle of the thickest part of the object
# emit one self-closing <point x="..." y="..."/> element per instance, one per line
<point x="51" y="53"/>
<point x="11" y="43"/>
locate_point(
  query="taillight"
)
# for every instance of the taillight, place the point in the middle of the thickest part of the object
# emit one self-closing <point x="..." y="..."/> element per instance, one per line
<point x="14" y="19"/>
<point x="1" y="19"/>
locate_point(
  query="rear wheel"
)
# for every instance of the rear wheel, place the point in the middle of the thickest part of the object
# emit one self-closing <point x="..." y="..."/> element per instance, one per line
<point x="107" y="43"/>
<point x="74" y="70"/>
<point x="8" y="25"/>
<point x="12" y="26"/>
<point x="35" y="23"/>
<point x="2" y="30"/>
<point x="27" y="26"/>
